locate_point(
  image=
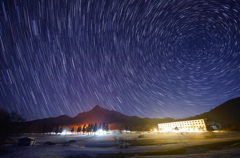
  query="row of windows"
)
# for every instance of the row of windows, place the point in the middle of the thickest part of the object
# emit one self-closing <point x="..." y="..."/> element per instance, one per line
<point x="181" y="126"/>
<point x="168" y="125"/>
<point x="188" y="122"/>
<point x="184" y="123"/>
<point x="193" y="127"/>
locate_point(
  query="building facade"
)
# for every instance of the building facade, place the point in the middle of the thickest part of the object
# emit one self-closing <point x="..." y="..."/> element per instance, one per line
<point x="183" y="126"/>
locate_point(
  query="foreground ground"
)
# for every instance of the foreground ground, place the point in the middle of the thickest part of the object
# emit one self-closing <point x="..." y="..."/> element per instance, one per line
<point x="223" y="144"/>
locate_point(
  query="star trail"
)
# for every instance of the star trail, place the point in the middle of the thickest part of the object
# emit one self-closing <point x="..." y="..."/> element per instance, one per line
<point x="149" y="58"/>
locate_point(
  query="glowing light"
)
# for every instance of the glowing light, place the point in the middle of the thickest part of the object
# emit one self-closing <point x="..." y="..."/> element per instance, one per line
<point x="126" y="131"/>
<point x="65" y="132"/>
<point x="100" y="132"/>
<point x="198" y="125"/>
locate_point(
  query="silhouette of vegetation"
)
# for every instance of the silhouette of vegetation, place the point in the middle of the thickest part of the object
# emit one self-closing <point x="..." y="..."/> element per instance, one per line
<point x="84" y="128"/>
<point x="95" y="128"/>
<point x="72" y="130"/>
<point x="79" y="130"/>
<point x="10" y="123"/>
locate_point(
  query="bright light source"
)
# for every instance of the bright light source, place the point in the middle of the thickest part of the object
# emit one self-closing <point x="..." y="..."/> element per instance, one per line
<point x="155" y="130"/>
<point x="126" y="131"/>
<point x="100" y="132"/>
<point x="65" y="132"/>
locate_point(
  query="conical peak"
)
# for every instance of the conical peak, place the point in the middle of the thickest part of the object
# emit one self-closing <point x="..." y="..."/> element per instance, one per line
<point x="96" y="107"/>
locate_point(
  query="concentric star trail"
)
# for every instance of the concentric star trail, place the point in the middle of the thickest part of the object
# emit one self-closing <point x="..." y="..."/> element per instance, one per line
<point x="154" y="58"/>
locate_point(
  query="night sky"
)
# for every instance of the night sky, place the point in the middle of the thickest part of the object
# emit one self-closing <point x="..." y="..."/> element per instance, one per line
<point x="149" y="58"/>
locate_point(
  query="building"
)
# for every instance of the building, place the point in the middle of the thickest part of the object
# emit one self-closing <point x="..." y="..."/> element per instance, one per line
<point x="26" y="141"/>
<point x="183" y="126"/>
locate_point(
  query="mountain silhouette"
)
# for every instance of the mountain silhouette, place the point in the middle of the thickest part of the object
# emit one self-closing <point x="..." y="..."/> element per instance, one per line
<point x="99" y="115"/>
<point x="226" y="114"/>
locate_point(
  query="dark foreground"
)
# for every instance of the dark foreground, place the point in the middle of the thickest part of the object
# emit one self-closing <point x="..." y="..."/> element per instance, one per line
<point x="223" y="144"/>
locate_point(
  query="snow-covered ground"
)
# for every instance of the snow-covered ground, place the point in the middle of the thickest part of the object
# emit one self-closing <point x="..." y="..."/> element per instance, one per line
<point x="73" y="145"/>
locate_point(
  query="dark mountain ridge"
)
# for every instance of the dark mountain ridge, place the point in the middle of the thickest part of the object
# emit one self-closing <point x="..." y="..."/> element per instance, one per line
<point x="99" y="115"/>
<point x="227" y="114"/>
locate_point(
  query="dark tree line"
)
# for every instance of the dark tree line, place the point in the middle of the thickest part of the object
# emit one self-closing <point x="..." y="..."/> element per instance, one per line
<point x="91" y="128"/>
<point x="10" y="123"/>
<point x="41" y="129"/>
<point x="57" y="129"/>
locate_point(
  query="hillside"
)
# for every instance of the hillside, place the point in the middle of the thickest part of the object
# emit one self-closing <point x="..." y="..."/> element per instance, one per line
<point x="115" y="119"/>
<point x="228" y="113"/>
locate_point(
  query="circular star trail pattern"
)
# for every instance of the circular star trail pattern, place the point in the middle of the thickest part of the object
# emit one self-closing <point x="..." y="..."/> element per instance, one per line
<point x="154" y="58"/>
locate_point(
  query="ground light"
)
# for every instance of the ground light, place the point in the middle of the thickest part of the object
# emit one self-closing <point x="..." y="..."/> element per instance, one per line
<point x="100" y="132"/>
<point x="65" y="132"/>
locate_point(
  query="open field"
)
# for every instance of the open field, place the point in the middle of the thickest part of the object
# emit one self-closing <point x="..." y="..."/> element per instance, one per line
<point x="223" y="144"/>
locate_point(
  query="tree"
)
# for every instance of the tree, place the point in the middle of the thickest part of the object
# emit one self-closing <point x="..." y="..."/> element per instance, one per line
<point x="43" y="129"/>
<point x="100" y="127"/>
<point x="72" y="130"/>
<point x="95" y="128"/>
<point x="9" y="124"/>
<point x="79" y="129"/>
<point x="210" y="128"/>
<point x="89" y="128"/>
<point x="58" y="129"/>
<point x="107" y="127"/>
<point x="103" y="126"/>
<point x="84" y="128"/>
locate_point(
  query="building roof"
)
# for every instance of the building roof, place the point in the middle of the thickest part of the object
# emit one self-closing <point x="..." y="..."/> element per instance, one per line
<point x="26" y="138"/>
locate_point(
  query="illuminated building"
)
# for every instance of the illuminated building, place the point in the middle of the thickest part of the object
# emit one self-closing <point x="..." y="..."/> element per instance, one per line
<point x="183" y="126"/>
